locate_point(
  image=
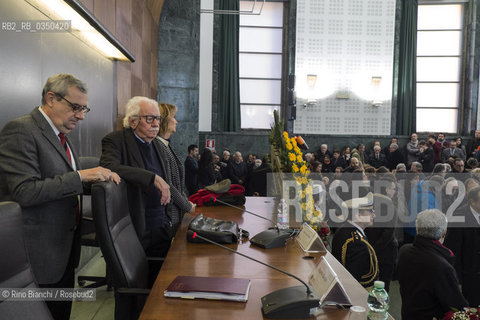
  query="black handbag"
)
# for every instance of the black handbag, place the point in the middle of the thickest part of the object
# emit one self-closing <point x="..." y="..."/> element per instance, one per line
<point x="217" y="230"/>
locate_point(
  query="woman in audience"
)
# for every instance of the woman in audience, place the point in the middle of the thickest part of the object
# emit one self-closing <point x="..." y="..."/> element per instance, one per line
<point x="346" y="155"/>
<point x="461" y="146"/>
<point x="179" y="204"/>
<point x="207" y="173"/>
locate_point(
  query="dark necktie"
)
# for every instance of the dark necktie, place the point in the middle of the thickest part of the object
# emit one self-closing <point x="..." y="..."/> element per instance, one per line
<point x="63" y="141"/>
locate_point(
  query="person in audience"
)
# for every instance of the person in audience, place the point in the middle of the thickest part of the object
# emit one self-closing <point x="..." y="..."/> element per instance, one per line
<point x="207" y="173"/>
<point x="175" y="172"/>
<point x="237" y="169"/>
<point x="137" y="156"/>
<point x="224" y="163"/>
<point x="474" y="145"/>
<point x="372" y="150"/>
<point x="412" y="149"/>
<point x="436" y="147"/>
<point x="461" y="146"/>
<point x="429" y="285"/>
<point x="443" y="142"/>
<point x="337" y="160"/>
<point x="322" y="152"/>
<point x="327" y="165"/>
<point x="354" y="164"/>
<point x="359" y="153"/>
<point x="191" y="169"/>
<point x="308" y="157"/>
<point x="401" y="168"/>
<point x="394" y="157"/>
<point x="463" y="238"/>
<point x="258" y="183"/>
<point x="452" y="151"/>
<point x="386" y="150"/>
<point x="346" y="155"/>
<point x="377" y="159"/>
<point x="350" y="245"/>
<point x="426" y="156"/>
<point x="40" y="170"/>
<point x="416" y="167"/>
<point x="458" y="167"/>
<point x="472" y="163"/>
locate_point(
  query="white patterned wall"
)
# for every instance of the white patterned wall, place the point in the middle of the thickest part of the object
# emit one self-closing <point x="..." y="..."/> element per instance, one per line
<point x="344" y="43"/>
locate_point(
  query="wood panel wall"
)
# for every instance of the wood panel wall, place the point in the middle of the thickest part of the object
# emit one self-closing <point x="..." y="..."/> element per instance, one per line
<point x="135" y="24"/>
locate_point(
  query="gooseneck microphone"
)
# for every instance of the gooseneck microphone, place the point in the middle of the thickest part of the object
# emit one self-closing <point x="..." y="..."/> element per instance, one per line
<point x="291" y="302"/>
<point x="272" y="238"/>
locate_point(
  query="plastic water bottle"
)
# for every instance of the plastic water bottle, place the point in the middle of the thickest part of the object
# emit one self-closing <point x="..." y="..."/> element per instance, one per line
<point x="378" y="302"/>
<point x="282" y="216"/>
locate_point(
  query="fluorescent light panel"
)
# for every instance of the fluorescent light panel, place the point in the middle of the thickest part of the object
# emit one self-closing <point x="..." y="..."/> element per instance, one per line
<point x="84" y="26"/>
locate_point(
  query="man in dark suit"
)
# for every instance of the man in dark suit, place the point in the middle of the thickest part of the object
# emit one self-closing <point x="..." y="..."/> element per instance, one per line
<point x="377" y="159"/>
<point x="463" y="238"/>
<point x="237" y="169"/>
<point x="452" y="151"/>
<point x="191" y="169"/>
<point x="39" y="169"/>
<point x="138" y="158"/>
<point x="350" y="245"/>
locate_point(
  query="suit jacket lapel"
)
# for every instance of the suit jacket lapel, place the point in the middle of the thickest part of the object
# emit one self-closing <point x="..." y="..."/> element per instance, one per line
<point x="49" y="134"/>
<point x="132" y="147"/>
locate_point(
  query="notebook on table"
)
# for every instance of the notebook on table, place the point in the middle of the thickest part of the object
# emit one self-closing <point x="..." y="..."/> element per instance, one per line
<point x="191" y="287"/>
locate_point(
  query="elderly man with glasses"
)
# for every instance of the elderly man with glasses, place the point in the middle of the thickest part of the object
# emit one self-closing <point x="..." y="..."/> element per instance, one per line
<point x="40" y="170"/>
<point x="139" y="160"/>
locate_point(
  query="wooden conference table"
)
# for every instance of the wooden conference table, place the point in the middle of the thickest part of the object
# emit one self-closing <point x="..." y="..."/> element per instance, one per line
<point x="207" y="260"/>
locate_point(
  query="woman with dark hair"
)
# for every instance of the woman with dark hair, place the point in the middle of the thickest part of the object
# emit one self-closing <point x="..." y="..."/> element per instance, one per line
<point x="207" y="174"/>
<point x="179" y="204"/>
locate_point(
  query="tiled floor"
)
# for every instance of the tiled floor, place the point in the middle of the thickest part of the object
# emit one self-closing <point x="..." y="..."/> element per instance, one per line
<point x="103" y="307"/>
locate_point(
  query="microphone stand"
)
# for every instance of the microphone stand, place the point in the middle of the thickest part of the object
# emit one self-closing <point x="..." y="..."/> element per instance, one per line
<point x="291" y="302"/>
<point x="272" y="238"/>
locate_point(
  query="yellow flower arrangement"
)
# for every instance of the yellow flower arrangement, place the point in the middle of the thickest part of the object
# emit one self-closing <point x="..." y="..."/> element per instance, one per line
<point x="290" y="159"/>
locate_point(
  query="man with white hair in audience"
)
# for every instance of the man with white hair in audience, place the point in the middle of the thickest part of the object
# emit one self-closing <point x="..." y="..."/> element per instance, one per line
<point x="323" y="152"/>
<point x="429" y="286"/>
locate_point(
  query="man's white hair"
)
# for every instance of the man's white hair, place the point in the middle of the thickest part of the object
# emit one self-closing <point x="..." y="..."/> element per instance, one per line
<point x="133" y="108"/>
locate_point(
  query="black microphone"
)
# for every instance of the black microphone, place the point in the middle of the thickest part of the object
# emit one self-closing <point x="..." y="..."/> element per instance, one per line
<point x="272" y="238"/>
<point x="291" y="302"/>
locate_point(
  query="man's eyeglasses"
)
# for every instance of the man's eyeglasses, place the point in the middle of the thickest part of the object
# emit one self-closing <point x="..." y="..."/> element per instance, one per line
<point x="75" y="106"/>
<point x="149" y="118"/>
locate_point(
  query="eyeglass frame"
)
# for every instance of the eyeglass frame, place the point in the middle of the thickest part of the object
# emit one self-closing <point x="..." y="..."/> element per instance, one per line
<point x="75" y="106"/>
<point x="158" y="118"/>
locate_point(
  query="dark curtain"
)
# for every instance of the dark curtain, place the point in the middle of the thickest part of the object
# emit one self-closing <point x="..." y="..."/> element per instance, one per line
<point x="407" y="71"/>
<point x="228" y="82"/>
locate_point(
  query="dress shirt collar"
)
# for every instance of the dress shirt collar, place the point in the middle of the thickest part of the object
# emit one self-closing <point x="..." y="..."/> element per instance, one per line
<point x="49" y="122"/>
<point x="143" y="141"/>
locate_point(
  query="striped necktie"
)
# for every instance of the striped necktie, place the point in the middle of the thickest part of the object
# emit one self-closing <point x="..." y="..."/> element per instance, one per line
<point x="63" y="141"/>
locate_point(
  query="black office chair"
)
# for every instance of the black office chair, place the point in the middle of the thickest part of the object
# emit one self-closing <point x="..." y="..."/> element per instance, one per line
<point x="15" y="270"/>
<point x="88" y="235"/>
<point x="121" y="248"/>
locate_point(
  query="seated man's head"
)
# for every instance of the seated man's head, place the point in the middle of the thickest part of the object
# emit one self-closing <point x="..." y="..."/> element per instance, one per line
<point x="432" y="224"/>
<point x="143" y="116"/>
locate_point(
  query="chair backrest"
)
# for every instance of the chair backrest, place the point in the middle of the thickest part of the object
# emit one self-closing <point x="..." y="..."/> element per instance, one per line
<point x="116" y="235"/>
<point x="15" y="270"/>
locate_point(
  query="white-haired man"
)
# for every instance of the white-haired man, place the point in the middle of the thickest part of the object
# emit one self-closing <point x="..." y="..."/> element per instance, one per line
<point x="429" y="285"/>
<point x="134" y="153"/>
